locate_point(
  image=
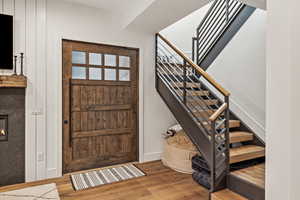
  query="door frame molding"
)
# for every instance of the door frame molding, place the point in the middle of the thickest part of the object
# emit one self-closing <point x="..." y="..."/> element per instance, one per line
<point x="140" y="103"/>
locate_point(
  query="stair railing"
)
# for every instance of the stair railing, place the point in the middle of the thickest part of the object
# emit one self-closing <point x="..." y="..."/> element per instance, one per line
<point x="181" y="75"/>
<point x="214" y="24"/>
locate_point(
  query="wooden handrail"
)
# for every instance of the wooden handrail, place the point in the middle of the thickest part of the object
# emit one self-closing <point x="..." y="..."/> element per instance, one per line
<point x="196" y="67"/>
<point x="218" y="112"/>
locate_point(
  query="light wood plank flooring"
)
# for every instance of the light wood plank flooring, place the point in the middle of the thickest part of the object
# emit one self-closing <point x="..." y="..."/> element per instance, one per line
<point x="161" y="183"/>
<point x="226" y="195"/>
<point x="254" y="174"/>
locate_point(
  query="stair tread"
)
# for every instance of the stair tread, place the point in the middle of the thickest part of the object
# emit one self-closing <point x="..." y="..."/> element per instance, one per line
<point x="204" y="113"/>
<point x="196" y="103"/>
<point x="196" y="93"/>
<point x="227" y="195"/>
<point x="188" y="84"/>
<point x="232" y="123"/>
<point x="246" y="152"/>
<point x="240" y="136"/>
<point x="254" y="174"/>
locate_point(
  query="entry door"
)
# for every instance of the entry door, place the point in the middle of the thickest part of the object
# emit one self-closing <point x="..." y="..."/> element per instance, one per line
<point x="100" y="105"/>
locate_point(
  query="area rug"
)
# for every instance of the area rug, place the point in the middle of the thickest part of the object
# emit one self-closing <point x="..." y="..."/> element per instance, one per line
<point x="41" y="192"/>
<point x="105" y="176"/>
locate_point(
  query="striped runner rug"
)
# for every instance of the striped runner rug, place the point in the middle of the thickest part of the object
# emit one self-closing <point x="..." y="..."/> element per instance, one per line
<point x="105" y="176"/>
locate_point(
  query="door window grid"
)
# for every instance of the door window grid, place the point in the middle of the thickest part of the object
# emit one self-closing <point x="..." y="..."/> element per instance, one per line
<point x="78" y="57"/>
<point x="100" y="66"/>
<point x="110" y="60"/>
<point x="95" y="59"/>
<point x="110" y="74"/>
<point x="124" y="75"/>
<point x="78" y="72"/>
<point x="124" y="61"/>
<point x="95" y="73"/>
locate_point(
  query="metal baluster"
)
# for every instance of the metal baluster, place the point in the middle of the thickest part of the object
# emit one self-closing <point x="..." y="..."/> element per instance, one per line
<point x="197" y="49"/>
<point x="213" y="152"/>
<point x="208" y="15"/>
<point x="193" y="48"/>
<point x="195" y="76"/>
<point x="184" y="81"/>
<point x="227" y="116"/>
<point x="214" y="23"/>
<point x="156" y="54"/>
<point x="227" y="11"/>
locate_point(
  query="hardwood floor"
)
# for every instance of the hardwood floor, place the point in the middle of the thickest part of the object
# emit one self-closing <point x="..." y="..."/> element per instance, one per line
<point x="254" y="174"/>
<point x="161" y="183"/>
<point x="227" y="195"/>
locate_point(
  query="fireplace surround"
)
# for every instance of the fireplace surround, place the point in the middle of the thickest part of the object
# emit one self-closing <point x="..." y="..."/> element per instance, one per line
<point x="12" y="135"/>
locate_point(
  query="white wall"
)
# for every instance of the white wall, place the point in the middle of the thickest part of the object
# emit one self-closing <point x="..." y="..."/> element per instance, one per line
<point x="162" y="13"/>
<point x="29" y="22"/>
<point x="63" y="21"/>
<point x="41" y="25"/>
<point x="282" y="100"/>
<point x="240" y="67"/>
<point x="182" y="32"/>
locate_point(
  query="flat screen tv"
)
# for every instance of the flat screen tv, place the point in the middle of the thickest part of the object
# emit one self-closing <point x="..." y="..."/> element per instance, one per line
<point x="6" y="42"/>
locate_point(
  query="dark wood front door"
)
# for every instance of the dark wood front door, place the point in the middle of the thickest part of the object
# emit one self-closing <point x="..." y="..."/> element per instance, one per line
<point x="100" y="105"/>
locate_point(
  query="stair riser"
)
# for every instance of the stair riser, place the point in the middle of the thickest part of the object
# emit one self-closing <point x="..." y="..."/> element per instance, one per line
<point x="246" y="189"/>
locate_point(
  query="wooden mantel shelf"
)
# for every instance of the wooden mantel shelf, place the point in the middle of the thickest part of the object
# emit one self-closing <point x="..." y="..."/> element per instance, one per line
<point x="13" y="81"/>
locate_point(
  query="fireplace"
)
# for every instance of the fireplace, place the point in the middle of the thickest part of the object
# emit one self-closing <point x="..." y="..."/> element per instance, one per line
<point x="12" y="135"/>
<point x="3" y="128"/>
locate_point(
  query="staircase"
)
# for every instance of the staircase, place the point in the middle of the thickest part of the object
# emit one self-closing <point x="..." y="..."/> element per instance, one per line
<point x="223" y="20"/>
<point x="232" y="151"/>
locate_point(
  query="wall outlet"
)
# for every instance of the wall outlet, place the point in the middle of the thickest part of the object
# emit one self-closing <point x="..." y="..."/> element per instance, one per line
<point x="41" y="157"/>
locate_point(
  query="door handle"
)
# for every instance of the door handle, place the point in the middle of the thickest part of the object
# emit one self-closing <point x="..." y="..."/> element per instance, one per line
<point x="134" y="109"/>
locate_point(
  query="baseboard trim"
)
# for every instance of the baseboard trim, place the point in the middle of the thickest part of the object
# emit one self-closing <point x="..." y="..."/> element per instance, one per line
<point x="152" y="156"/>
<point x="52" y="173"/>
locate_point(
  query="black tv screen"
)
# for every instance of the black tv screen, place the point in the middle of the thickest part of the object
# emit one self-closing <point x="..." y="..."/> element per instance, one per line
<point x="6" y="42"/>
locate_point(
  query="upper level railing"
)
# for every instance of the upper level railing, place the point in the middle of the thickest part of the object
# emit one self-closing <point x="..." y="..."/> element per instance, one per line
<point x="181" y="75"/>
<point x="194" y="66"/>
<point x="211" y="28"/>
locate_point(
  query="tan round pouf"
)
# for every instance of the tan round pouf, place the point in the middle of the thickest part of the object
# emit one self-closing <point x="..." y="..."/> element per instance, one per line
<point x="178" y="152"/>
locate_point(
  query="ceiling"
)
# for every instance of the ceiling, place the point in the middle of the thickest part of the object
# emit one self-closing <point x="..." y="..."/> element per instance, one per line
<point x="124" y="11"/>
<point x="113" y="5"/>
<point x="162" y="13"/>
<point x="262" y="4"/>
<point x="150" y="15"/>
